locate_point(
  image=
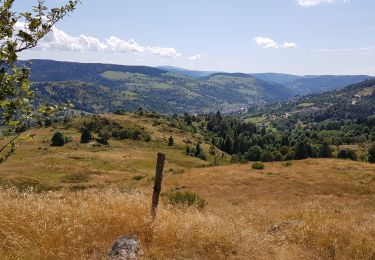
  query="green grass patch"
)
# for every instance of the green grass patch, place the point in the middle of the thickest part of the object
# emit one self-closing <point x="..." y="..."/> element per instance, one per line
<point x="75" y="178"/>
<point x="258" y="166"/>
<point x="185" y="198"/>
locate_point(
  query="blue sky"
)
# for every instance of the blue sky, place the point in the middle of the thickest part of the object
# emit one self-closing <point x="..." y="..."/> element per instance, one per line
<point x="288" y="36"/>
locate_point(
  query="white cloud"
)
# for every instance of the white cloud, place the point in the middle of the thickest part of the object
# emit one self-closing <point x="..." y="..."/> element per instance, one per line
<point x="309" y="3"/>
<point x="268" y="43"/>
<point x="59" y="40"/>
<point x="289" y="45"/>
<point x="195" y="57"/>
<point x="164" y="52"/>
<point x="117" y="45"/>
<point x="198" y="56"/>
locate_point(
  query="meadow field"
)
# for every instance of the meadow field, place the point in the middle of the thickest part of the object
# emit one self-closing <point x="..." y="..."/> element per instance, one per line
<point x="72" y="202"/>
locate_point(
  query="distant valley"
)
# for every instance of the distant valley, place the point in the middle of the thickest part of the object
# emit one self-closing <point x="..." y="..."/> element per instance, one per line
<point x="102" y="88"/>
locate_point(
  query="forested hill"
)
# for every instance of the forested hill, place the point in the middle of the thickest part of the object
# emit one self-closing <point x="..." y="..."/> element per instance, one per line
<point x="101" y="88"/>
<point x="310" y="84"/>
<point x="355" y="102"/>
<point x="49" y="70"/>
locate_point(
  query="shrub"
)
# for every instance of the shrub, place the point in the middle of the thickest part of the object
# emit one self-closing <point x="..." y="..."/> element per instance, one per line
<point x="104" y="136"/>
<point x="301" y="151"/>
<point x="170" y="141"/>
<point x="325" y="151"/>
<point x="186" y="198"/>
<point x="267" y="156"/>
<point x="277" y="156"/>
<point x="85" y="135"/>
<point x="287" y="163"/>
<point x="199" y="152"/>
<point x="135" y="134"/>
<point x="238" y="158"/>
<point x="290" y="155"/>
<point x="198" y="149"/>
<point x="147" y="138"/>
<point x="284" y="150"/>
<point x="347" y="154"/>
<point x="202" y="155"/>
<point x="212" y="150"/>
<point x="371" y="154"/>
<point x="58" y="139"/>
<point x="47" y="122"/>
<point x="254" y="153"/>
<point x="258" y="166"/>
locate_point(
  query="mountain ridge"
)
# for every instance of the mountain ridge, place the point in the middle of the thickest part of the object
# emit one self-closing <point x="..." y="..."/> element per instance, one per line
<point x="102" y="88"/>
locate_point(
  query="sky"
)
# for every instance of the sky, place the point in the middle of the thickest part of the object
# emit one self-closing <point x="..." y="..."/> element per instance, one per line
<point x="303" y="37"/>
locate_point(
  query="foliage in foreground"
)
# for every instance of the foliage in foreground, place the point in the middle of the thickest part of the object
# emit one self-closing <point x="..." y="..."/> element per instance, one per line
<point x="20" y="32"/>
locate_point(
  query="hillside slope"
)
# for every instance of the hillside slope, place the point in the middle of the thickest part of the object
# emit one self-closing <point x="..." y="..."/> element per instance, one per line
<point x="316" y="84"/>
<point x="310" y="84"/>
<point x="101" y="88"/>
<point x="354" y="102"/>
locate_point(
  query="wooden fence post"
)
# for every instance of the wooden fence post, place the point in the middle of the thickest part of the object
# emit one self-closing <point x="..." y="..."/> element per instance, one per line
<point x="157" y="185"/>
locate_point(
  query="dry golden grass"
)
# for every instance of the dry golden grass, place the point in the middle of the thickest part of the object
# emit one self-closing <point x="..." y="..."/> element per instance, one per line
<point x="63" y="225"/>
<point x="313" y="209"/>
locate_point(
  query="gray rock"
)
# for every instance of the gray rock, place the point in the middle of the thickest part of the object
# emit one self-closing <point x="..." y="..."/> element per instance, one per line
<point x="125" y="248"/>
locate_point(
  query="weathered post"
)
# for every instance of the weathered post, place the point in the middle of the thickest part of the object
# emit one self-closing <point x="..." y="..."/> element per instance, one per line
<point x="157" y="185"/>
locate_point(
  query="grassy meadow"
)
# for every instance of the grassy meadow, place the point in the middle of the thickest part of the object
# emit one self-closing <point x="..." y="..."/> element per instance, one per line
<point x="72" y="202"/>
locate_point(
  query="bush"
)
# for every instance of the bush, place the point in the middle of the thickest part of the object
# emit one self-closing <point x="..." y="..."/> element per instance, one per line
<point x="237" y="158"/>
<point x="371" y="154"/>
<point x="301" y="151"/>
<point x="199" y="152"/>
<point x="187" y="150"/>
<point x="85" y="135"/>
<point x="135" y="134"/>
<point x="258" y="166"/>
<point x="287" y="163"/>
<point x="170" y="141"/>
<point x="202" y="155"/>
<point x="104" y="136"/>
<point x="325" y="151"/>
<point x="147" y="138"/>
<point x="347" y="154"/>
<point x="186" y="198"/>
<point x="254" y="153"/>
<point x="47" y="122"/>
<point x="212" y="150"/>
<point x="267" y="156"/>
<point x="58" y="139"/>
<point x="277" y="156"/>
<point x="290" y="155"/>
<point x="121" y="134"/>
<point x="284" y="150"/>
